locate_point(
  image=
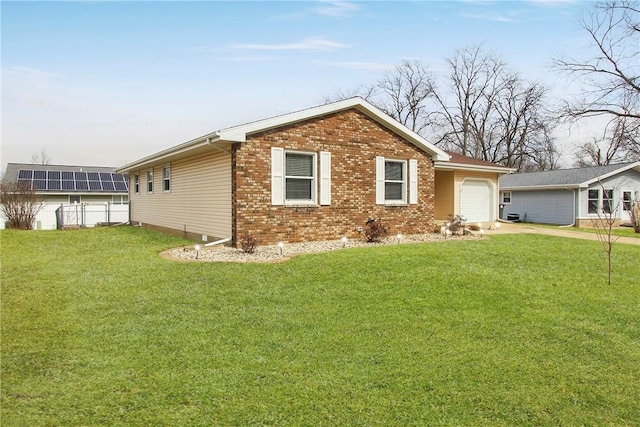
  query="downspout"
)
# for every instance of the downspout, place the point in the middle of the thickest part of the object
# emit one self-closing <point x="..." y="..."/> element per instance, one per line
<point x="218" y="242"/>
<point x="574" y="210"/>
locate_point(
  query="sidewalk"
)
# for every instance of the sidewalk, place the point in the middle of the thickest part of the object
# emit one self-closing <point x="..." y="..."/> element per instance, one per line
<point x="506" y="228"/>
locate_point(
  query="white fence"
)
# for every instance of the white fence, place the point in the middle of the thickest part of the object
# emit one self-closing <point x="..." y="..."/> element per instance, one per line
<point x="55" y="215"/>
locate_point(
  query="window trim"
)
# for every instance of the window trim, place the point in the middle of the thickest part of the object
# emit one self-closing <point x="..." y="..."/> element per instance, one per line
<point x="166" y="181"/>
<point x="627" y="204"/>
<point x="136" y="183"/>
<point x="314" y="179"/>
<point x="405" y="178"/>
<point x="504" y="199"/>
<point x="607" y="202"/>
<point x="150" y="181"/>
<point x="590" y="199"/>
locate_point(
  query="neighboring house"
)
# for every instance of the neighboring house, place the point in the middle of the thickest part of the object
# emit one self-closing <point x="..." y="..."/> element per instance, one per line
<point x="570" y="196"/>
<point x="315" y="174"/>
<point x="467" y="187"/>
<point x="87" y="194"/>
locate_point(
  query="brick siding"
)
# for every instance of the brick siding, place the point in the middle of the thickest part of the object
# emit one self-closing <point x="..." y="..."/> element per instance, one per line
<point x="354" y="141"/>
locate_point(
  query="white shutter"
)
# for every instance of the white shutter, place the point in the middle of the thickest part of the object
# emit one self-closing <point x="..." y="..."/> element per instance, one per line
<point x="379" y="180"/>
<point x="277" y="176"/>
<point x="325" y="178"/>
<point x="413" y="182"/>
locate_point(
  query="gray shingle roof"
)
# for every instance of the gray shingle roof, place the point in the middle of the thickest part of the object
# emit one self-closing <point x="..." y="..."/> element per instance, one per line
<point x="562" y="177"/>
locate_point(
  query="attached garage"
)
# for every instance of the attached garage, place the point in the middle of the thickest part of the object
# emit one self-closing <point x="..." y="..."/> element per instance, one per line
<point x="476" y="200"/>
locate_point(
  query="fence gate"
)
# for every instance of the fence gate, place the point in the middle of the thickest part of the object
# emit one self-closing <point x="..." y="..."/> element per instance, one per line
<point x="91" y="214"/>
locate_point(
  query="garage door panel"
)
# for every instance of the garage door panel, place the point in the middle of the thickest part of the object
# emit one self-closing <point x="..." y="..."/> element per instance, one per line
<point x="476" y="198"/>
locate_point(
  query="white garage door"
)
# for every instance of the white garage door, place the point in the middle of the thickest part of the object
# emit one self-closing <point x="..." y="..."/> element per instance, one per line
<point x="475" y="200"/>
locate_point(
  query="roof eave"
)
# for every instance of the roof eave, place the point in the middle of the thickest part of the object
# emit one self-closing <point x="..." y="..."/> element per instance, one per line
<point x="635" y="165"/>
<point x="462" y="166"/>
<point x="539" y="187"/>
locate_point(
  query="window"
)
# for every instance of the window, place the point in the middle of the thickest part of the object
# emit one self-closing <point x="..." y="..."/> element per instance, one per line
<point x="166" y="178"/>
<point x="120" y="200"/>
<point x="626" y="200"/>
<point x="607" y="201"/>
<point x="506" y="197"/>
<point x="593" y="201"/>
<point x="136" y="183"/>
<point x="395" y="181"/>
<point x="300" y="177"/>
<point x="150" y="181"/>
<point x="74" y="199"/>
<point x="297" y="177"/>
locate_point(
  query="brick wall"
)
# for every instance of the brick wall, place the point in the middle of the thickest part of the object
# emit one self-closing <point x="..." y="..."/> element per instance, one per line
<point x="354" y="141"/>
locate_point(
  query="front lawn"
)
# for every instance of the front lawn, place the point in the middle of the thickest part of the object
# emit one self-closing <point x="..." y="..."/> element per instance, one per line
<point x="97" y="329"/>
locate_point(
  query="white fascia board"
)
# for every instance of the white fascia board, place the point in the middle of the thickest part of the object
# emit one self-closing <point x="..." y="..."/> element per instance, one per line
<point x="239" y="133"/>
<point x="539" y="187"/>
<point x="479" y="168"/>
<point x="168" y="153"/>
<point x="635" y="166"/>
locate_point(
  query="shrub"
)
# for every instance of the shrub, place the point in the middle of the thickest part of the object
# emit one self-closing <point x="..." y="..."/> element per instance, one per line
<point x="375" y="230"/>
<point x="19" y="203"/>
<point x="248" y="244"/>
<point x="473" y="227"/>
<point x="456" y="223"/>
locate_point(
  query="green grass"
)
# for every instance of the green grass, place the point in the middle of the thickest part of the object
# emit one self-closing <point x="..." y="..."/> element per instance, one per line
<point x="511" y="330"/>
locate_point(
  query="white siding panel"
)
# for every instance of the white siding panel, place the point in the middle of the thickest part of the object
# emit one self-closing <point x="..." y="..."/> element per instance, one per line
<point x="199" y="200"/>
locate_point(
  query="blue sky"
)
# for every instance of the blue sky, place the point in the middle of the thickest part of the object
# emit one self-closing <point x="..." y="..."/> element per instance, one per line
<point x="105" y="83"/>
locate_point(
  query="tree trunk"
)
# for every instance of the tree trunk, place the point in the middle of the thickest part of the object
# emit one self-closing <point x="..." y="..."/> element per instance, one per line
<point x="636" y="216"/>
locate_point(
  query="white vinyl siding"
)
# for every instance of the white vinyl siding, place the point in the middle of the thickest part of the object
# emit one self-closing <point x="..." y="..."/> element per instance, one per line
<point x="199" y="201"/>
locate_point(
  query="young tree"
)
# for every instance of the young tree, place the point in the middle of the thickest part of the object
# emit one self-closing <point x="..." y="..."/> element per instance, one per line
<point x="604" y="228"/>
<point x="19" y="203"/>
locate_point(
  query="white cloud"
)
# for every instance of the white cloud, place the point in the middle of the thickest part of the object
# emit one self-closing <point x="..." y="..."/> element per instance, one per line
<point x="490" y="17"/>
<point x="336" y="9"/>
<point x="308" y="44"/>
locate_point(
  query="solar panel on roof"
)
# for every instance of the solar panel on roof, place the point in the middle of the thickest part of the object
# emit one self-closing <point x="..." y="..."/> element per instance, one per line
<point x="39" y="174"/>
<point x="67" y="175"/>
<point x="107" y="186"/>
<point x="120" y="186"/>
<point x="68" y="185"/>
<point x="40" y="184"/>
<point x="93" y="176"/>
<point x="117" y="177"/>
<point x="25" y="174"/>
<point x="105" y="176"/>
<point x="53" y="175"/>
<point x="80" y="176"/>
<point x="82" y="185"/>
<point x="53" y="184"/>
<point x="95" y="185"/>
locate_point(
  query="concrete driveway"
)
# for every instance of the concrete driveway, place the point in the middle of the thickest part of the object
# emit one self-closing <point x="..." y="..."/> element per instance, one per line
<point x="506" y="228"/>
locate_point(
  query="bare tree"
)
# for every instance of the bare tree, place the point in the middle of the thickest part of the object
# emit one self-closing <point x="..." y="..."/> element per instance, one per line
<point x="41" y="158"/>
<point x="19" y="203"/>
<point x="604" y="229"/>
<point x="608" y="81"/>
<point x="403" y="94"/>
<point x="491" y="113"/>
<point x="618" y="144"/>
